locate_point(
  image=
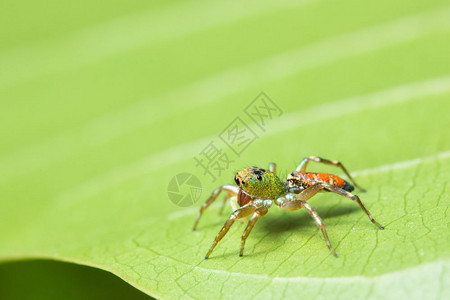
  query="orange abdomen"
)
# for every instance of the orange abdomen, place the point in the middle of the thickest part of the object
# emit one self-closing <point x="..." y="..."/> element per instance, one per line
<point x="306" y="179"/>
<point x="326" y="178"/>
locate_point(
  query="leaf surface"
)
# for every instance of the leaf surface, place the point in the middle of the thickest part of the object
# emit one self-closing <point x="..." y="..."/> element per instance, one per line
<point x="99" y="115"/>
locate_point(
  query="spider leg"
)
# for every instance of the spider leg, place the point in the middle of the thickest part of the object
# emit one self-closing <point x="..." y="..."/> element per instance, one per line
<point x="260" y="212"/>
<point x="231" y="189"/>
<point x="354" y="198"/>
<point x="304" y="163"/>
<point x="319" y="223"/>
<point x="301" y="202"/>
<point x="234" y="205"/>
<point x="244" y="211"/>
<point x="225" y="199"/>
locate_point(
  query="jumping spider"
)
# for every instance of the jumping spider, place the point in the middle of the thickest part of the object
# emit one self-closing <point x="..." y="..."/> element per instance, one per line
<point x="256" y="189"/>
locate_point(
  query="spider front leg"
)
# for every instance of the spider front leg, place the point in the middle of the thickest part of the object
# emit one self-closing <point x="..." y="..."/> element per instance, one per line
<point x="225" y="199"/>
<point x="300" y="201"/>
<point x="304" y="163"/>
<point x="242" y="212"/>
<point x="260" y="212"/>
<point x="231" y="189"/>
<point x="234" y="205"/>
<point x="354" y="198"/>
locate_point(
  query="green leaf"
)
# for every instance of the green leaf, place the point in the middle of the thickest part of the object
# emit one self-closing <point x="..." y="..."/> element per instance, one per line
<point x="100" y="111"/>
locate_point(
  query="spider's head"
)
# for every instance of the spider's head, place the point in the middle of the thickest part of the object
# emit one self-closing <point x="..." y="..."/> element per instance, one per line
<point x="260" y="183"/>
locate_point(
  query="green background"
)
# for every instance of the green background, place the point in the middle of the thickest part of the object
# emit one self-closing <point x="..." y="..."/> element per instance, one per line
<point x="102" y="103"/>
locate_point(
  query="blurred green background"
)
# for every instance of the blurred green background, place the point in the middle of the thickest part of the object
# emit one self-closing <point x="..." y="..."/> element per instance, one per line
<point x="102" y="103"/>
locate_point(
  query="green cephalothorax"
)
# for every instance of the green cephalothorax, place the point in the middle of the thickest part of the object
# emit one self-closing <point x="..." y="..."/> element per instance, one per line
<point x="260" y="183"/>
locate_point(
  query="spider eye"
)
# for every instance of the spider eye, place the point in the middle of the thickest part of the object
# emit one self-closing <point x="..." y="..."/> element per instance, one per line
<point x="259" y="177"/>
<point x="236" y="180"/>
